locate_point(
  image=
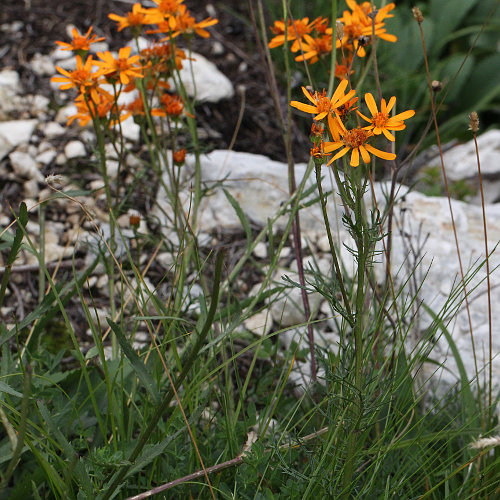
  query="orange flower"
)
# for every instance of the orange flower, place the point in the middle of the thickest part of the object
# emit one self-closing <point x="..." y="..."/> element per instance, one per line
<point x="295" y="32"/>
<point x="166" y="10"/>
<point x="179" y="156"/>
<point x="323" y="107"/>
<point x="160" y="56"/>
<point x="355" y="140"/>
<point x="134" y="19"/>
<point x="358" y="24"/>
<point x="183" y="22"/>
<point x="314" y="48"/>
<point x="123" y="68"/>
<point x="99" y="108"/>
<point x="80" y="43"/>
<point x="81" y="78"/>
<point x="381" y="122"/>
<point x="342" y="68"/>
<point x="172" y="105"/>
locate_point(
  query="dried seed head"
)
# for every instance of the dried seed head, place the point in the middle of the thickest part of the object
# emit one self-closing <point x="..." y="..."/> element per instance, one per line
<point x="474" y="122"/>
<point x="437" y="86"/>
<point x="55" y="180"/>
<point x="417" y="14"/>
<point x="339" y="30"/>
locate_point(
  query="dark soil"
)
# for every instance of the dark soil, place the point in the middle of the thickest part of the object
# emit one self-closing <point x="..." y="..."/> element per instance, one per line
<point x="41" y="22"/>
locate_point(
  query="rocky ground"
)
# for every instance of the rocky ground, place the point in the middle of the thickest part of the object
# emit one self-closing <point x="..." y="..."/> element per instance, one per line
<point x="34" y="143"/>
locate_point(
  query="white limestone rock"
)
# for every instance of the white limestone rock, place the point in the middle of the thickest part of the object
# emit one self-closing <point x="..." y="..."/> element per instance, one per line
<point x="426" y="238"/>
<point x="461" y="161"/>
<point x="43" y="65"/>
<point x="53" y="129"/>
<point x="25" y="166"/>
<point x="13" y="133"/>
<point x="209" y="84"/>
<point x="75" y="149"/>
<point x="9" y="80"/>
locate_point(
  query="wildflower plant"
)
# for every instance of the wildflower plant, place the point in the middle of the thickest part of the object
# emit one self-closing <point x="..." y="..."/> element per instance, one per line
<point x="204" y="406"/>
<point x="159" y="108"/>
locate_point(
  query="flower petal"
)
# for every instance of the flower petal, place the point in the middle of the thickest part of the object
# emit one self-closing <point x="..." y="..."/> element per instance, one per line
<point x="392" y="101"/>
<point x="355" y="157"/>
<point x="339" y="154"/>
<point x="308" y="95"/>
<point x="370" y="102"/>
<point x="328" y="147"/>
<point x="307" y="108"/>
<point x="365" y="118"/>
<point x="339" y="91"/>
<point x="364" y="154"/>
<point x="388" y="135"/>
<point x="381" y="154"/>
<point x="403" y="116"/>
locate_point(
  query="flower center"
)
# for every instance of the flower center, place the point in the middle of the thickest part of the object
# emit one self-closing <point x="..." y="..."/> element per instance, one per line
<point x="323" y="104"/>
<point x="168" y="6"/>
<point x="380" y="120"/>
<point x="82" y="77"/>
<point x="122" y="64"/>
<point x="299" y="29"/>
<point x="355" y="137"/>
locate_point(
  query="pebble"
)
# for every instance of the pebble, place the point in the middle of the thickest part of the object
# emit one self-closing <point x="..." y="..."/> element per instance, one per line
<point x="46" y="157"/>
<point x="43" y="65"/>
<point x="53" y="129"/>
<point x="74" y="149"/>
<point x="260" y="250"/>
<point x="13" y="133"/>
<point x="25" y="166"/>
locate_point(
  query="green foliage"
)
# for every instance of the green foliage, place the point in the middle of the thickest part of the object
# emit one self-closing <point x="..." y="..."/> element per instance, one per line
<point x="88" y="418"/>
<point x="462" y="53"/>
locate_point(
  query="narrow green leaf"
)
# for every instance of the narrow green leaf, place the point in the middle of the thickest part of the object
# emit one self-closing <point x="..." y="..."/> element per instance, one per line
<point x="22" y="220"/>
<point x="136" y="362"/>
<point x="8" y="390"/>
<point x="241" y="215"/>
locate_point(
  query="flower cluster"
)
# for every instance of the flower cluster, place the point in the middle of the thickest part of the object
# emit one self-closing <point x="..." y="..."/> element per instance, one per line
<point x="353" y="32"/>
<point x="101" y="80"/>
<point x="336" y="113"/>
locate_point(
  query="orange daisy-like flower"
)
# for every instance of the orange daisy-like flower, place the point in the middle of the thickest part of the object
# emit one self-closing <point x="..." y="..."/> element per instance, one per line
<point x="99" y="108"/>
<point x="123" y="68"/>
<point x="134" y="19"/>
<point x="81" y="78"/>
<point x="358" y="23"/>
<point x="343" y="70"/>
<point x="184" y="23"/>
<point x="172" y="106"/>
<point x="323" y="107"/>
<point x="295" y="32"/>
<point x="355" y="140"/>
<point x="314" y="48"/>
<point x="80" y="43"/>
<point x="166" y="10"/>
<point x="381" y="122"/>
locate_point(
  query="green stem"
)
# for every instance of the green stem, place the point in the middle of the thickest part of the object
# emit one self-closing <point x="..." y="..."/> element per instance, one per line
<point x="333" y="252"/>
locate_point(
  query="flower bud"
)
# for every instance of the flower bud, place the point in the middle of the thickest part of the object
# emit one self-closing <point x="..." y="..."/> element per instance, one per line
<point x="437" y="86"/>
